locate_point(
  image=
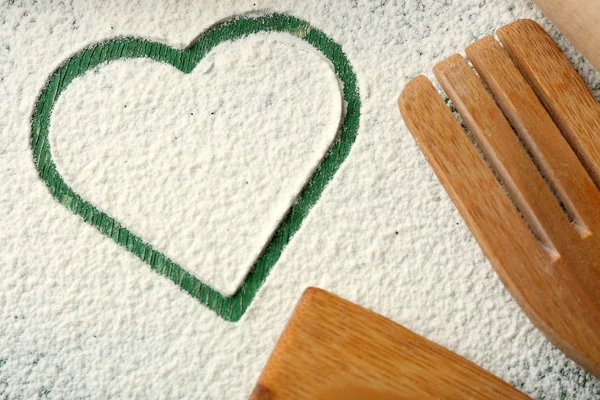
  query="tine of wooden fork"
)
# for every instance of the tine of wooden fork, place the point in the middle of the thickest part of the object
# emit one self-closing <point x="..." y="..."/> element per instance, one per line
<point x="504" y="152"/>
<point x="543" y="138"/>
<point x="561" y="89"/>
<point x="494" y="221"/>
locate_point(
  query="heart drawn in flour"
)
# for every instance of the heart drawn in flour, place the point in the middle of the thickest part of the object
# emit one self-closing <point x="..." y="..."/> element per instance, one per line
<point x="210" y="160"/>
<point x="314" y="166"/>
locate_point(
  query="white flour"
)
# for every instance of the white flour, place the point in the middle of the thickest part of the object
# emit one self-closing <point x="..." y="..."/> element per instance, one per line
<point x="81" y="317"/>
<point x="201" y="165"/>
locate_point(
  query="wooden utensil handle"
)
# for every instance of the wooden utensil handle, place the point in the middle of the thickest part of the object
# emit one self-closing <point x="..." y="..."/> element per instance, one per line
<point x="579" y="21"/>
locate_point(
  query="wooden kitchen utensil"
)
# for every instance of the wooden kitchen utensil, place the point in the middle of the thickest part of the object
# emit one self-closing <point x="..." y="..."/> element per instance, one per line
<point x="550" y="265"/>
<point x="579" y="20"/>
<point x="333" y="349"/>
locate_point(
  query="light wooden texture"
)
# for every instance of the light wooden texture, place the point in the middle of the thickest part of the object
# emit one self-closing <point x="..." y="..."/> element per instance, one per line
<point x="550" y="266"/>
<point x="530" y="119"/>
<point x="579" y="20"/>
<point x="504" y="152"/>
<point x="568" y="99"/>
<point x="334" y="349"/>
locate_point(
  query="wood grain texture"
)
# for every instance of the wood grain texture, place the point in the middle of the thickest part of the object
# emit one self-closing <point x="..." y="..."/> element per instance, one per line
<point x="334" y="349"/>
<point x="529" y="118"/>
<point x="504" y="152"/>
<point x="579" y="20"/>
<point x="555" y="277"/>
<point x="566" y="96"/>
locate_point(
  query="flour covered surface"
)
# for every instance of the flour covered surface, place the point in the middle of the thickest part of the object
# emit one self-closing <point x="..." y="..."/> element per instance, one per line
<point x="203" y="165"/>
<point x="83" y="317"/>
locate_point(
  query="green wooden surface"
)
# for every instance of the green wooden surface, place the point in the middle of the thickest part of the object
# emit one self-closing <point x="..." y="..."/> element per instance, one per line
<point x="233" y="307"/>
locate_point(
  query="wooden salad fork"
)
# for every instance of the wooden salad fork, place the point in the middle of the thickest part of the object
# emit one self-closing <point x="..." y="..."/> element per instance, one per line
<point x="548" y="257"/>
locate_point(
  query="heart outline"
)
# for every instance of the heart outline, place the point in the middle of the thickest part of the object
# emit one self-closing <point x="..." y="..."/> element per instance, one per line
<point x="230" y="308"/>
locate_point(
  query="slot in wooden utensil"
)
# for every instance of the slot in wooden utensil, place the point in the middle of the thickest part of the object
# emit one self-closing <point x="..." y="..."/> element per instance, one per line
<point x="334" y="349"/>
<point x="548" y="259"/>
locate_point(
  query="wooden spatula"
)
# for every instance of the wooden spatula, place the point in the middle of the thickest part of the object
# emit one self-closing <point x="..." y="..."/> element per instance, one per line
<point x="336" y="350"/>
<point x="550" y="264"/>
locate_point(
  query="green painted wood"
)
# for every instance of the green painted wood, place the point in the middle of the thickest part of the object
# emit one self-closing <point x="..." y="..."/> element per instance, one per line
<point x="233" y="307"/>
